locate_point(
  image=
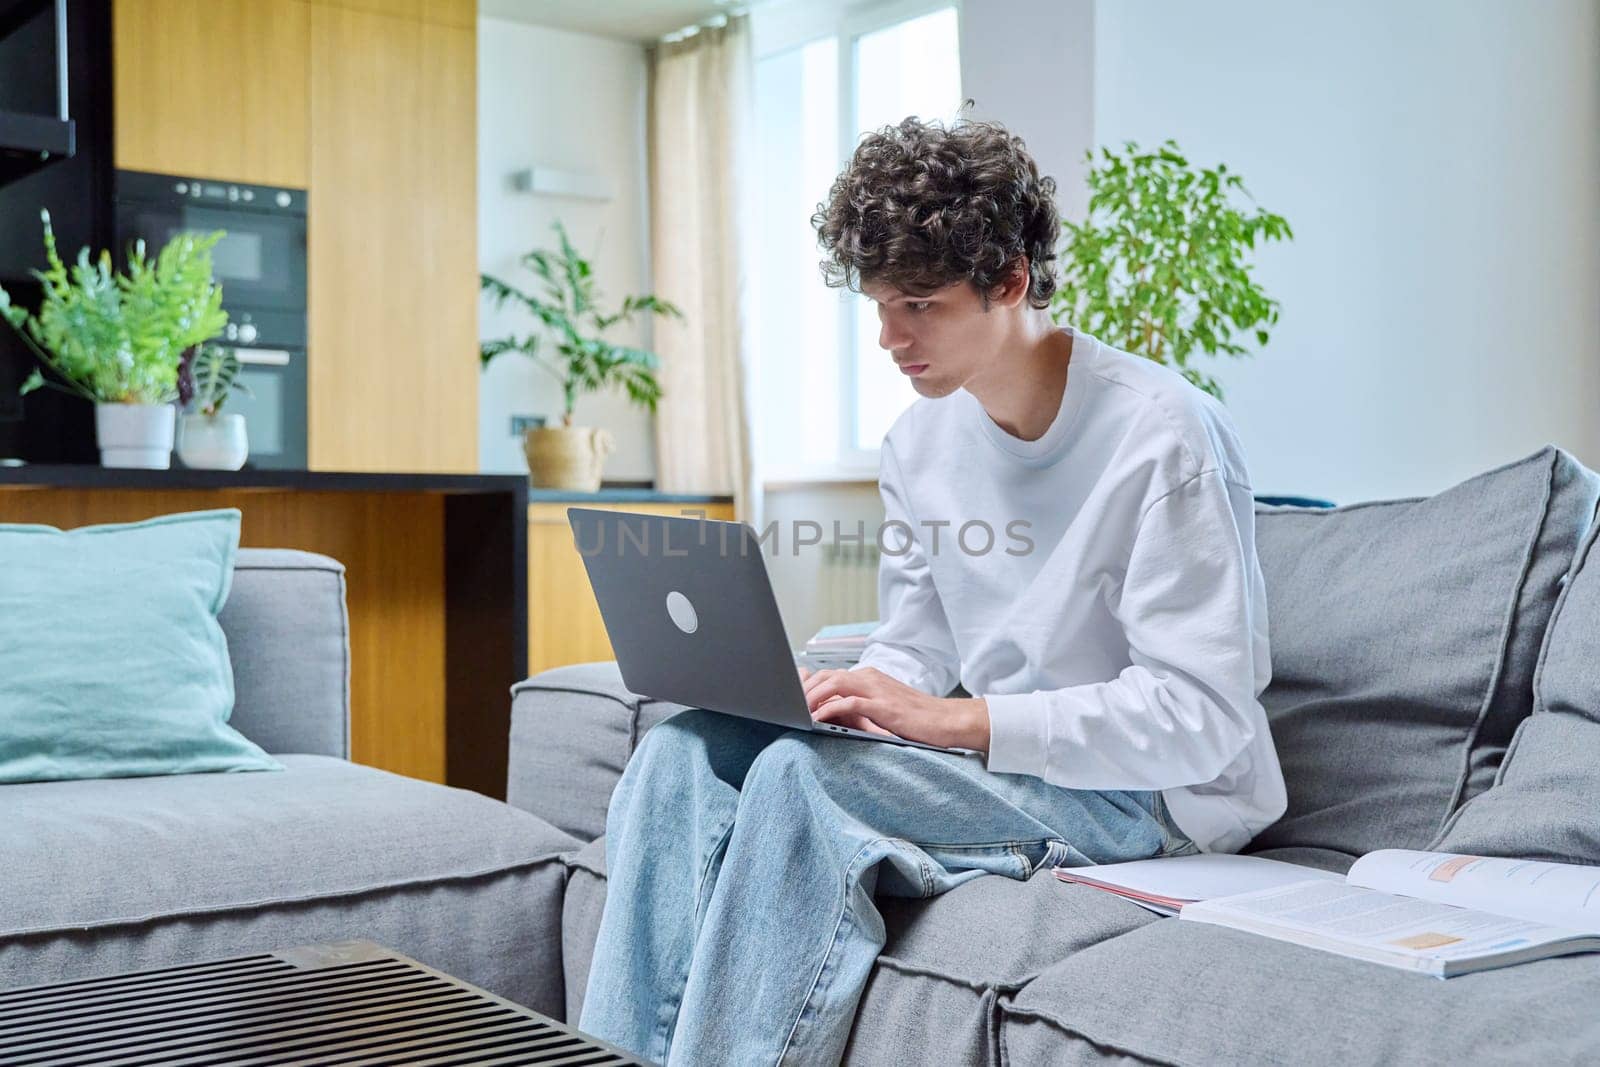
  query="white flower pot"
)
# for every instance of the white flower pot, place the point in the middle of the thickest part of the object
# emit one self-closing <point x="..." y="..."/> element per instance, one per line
<point x="213" y="442"/>
<point x="135" y="435"/>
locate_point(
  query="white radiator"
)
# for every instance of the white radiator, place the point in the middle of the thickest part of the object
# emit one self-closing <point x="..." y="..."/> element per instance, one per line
<point x="848" y="586"/>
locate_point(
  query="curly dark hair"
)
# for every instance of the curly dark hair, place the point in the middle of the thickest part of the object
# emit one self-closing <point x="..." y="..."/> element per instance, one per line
<point x="923" y="205"/>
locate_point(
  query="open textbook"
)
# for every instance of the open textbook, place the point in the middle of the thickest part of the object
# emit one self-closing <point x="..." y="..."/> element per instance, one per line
<point x="1437" y="913"/>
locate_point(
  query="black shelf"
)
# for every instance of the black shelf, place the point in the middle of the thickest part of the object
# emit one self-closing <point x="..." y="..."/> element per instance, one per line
<point x="31" y="138"/>
<point x="28" y="142"/>
<point x="14" y="13"/>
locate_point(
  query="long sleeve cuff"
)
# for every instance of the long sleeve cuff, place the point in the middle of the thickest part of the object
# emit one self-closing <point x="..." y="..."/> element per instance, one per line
<point x="1019" y="732"/>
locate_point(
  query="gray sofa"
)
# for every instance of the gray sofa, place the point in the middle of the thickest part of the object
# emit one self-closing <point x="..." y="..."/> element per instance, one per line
<point x="112" y="875"/>
<point x="1436" y="685"/>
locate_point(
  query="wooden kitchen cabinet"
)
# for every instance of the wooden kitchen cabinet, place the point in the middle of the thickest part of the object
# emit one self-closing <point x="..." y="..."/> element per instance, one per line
<point x="393" y="233"/>
<point x="371" y="105"/>
<point x="462" y="14"/>
<point x="564" y="624"/>
<point x="213" y="89"/>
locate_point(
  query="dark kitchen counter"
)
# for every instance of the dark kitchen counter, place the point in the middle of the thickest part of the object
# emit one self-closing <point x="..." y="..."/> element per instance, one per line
<point x="623" y="495"/>
<point x="93" y="476"/>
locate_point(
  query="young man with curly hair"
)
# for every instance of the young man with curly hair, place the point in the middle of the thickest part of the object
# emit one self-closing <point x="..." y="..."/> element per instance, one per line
<point x="1114" y="660"/>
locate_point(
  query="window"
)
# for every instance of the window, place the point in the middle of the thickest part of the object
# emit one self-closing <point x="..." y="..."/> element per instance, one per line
<point x="828" y="392"/>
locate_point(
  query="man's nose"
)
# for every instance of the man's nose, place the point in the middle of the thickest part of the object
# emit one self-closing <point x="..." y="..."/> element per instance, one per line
<point x="891" y="339"/>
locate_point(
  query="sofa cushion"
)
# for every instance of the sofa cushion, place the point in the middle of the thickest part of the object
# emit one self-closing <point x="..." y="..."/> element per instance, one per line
<point x="289" y="639"/>
<point x="951" y="960"/>
<point x="1546" y="802"/>
<point x="133" y="873"/>
<point x="1182" y="993"/>
<point x="1404" y="635"/>
<point x="947" y="962"/>
<point x="112" y="662"/>
<point x="580" y="919"/>
<point x="572" y="731"/>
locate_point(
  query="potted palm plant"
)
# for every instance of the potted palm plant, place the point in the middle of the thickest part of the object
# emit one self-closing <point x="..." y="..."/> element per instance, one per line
<point x="208" y="439"/>
<point x="121" y="340"/>
<point x="568" y="311"/>
<point x="1160" y="266"/>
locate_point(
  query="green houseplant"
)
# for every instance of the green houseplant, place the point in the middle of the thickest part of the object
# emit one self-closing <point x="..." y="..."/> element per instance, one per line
<point x="208" y="438"/>
<point x="122" y="340"/>
<point x="1159" y="267"/>
<point x="571" y="346"/>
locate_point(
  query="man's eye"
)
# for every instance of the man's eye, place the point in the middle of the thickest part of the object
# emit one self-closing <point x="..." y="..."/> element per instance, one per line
<point x="918" y="306"/>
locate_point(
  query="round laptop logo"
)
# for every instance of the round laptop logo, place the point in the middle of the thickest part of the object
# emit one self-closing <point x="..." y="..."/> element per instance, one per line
<point x="682" y="612"/>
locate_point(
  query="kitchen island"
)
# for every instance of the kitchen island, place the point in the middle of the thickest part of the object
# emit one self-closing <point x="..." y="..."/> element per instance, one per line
<point x="436" y="583"/>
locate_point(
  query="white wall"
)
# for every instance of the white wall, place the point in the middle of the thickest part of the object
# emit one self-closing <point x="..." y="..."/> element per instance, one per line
<point x="797" y="578"/>
<point x="1439" y="161"/>
<point x="1029" y="64"/>
<point x="574" y="102"/>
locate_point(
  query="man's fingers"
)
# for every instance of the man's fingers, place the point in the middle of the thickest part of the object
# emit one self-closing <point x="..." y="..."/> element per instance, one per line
<point x="812" y="678"/>
<point x="825" y="685"/>
<point x="848" y="711"/>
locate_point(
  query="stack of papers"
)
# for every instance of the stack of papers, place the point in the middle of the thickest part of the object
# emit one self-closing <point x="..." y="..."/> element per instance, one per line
<point x="1166" y="886"/>
<point x="837" y="646"/>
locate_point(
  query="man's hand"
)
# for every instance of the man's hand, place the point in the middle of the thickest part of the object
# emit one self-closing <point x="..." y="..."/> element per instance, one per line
<point x="867" y="699"/>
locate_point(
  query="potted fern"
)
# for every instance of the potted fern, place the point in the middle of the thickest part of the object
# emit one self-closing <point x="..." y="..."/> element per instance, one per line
<point x="207" y="438"/>
<point x="1160" y="266"/>
<point x="567" y="308"/>
<point x="121" y="340"/>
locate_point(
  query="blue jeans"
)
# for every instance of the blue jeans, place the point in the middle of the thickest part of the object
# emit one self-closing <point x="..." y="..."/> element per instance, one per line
<point x="742" y="862"/>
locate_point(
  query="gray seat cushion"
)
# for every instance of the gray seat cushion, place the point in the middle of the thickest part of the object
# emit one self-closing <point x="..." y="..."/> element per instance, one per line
<point x="122" y="874"/>
<point x="580" y="919"/>
<point x="1546" y="802"/>
<point x="1404" y="635"/>
<point x="948" y="961"/>
<point x="1182" y="993"/>
<point x="572" y="731"/>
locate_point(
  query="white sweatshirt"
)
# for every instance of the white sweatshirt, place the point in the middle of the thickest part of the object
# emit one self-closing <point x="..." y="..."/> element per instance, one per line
<point x="1127" y="647"/>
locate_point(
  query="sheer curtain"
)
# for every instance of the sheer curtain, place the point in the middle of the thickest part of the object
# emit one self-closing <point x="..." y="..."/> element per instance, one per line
<point x="700" y="212"/>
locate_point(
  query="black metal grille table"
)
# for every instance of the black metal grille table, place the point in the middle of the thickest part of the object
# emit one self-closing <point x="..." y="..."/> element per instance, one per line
<point x="352" y="1002"/>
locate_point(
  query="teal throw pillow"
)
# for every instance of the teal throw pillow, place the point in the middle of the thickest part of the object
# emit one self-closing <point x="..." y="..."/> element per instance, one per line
<point x="112" y="661"/>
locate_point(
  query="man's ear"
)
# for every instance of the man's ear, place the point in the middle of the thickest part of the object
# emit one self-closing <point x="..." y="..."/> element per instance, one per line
<point x="1013" y="288"/>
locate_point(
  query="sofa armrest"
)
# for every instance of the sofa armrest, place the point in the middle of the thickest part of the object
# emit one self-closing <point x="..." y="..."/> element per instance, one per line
<point x="289" y="639"/>
<point x="573" y="730"/>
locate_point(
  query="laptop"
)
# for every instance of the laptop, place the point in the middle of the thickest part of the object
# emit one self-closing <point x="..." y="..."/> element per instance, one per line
<point x="689" y="608"/>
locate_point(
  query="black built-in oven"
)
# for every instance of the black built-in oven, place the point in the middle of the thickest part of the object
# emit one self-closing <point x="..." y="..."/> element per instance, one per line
<point x="261" y="266"/>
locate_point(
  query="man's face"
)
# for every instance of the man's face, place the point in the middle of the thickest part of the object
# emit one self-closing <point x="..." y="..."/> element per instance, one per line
<point x="940" y="340"/>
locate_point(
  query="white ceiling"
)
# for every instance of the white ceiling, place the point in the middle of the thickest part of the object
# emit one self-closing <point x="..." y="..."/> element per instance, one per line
<point x="633" y="20"/>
